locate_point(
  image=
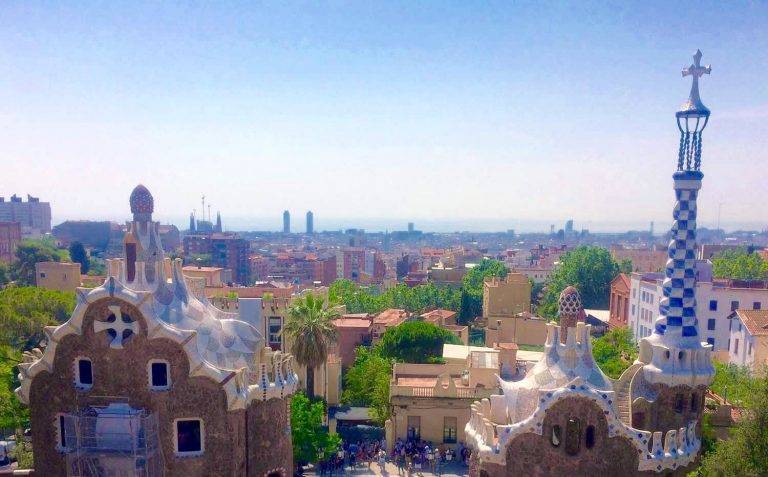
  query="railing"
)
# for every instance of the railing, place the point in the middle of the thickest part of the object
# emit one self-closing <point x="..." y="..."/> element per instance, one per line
<point x="440" y="391"/>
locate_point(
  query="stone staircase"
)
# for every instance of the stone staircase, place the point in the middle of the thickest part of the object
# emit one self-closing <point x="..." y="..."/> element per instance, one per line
<point x="622" y="393"/>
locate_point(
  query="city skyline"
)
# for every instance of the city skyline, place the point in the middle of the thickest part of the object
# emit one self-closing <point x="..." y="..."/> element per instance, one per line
<point x="380" y="113"/>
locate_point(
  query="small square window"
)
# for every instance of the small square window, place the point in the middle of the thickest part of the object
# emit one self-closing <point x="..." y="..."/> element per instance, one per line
<point x="711" y="324"/>
<point x="734" y="305"/>
<point x="756" y="305"/>
<point x="189" y="437"/>
<point x="159" y="379"/>
<point x="711" y="341"/>
<point x="712" y="305"/>
<point x="42" y="274"/>
<point x="84" y="373"/>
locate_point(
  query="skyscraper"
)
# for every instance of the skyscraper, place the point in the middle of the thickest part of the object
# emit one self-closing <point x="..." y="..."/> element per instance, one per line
<point x="310" y="223"/>
<point x="286" y="222"/>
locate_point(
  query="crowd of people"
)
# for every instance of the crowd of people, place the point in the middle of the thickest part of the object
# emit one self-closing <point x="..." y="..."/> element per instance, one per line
<point x="417" y="456"/>
<point x="411" y="457"/>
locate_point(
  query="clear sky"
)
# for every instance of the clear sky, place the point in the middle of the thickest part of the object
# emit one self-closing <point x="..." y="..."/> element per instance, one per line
<point x="492" y="115"/>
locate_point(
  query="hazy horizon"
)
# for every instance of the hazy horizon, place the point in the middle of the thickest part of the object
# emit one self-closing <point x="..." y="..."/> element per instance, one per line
<point x="439" y="225"/>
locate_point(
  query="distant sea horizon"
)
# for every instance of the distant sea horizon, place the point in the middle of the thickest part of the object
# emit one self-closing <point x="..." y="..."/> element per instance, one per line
<point x="269" y="224"/>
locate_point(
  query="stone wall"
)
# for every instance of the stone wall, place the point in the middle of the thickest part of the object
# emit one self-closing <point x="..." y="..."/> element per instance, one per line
<point x="534" y="455"/>
<point x="269" y="438"/>
<point x="121" y="375"/>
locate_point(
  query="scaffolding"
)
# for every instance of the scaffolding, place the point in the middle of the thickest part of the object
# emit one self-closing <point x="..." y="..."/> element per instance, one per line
<point x="112" y="441"/>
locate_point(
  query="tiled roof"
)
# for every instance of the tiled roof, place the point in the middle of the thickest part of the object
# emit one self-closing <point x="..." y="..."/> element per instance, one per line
<point x="439" y="313"/>
<point x="756" y="321"/>
<point x="390" y="315"/>
<point x="346" y="322"/>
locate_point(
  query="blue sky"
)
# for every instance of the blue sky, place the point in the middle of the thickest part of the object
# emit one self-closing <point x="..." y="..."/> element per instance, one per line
<point x="494" y="115"/>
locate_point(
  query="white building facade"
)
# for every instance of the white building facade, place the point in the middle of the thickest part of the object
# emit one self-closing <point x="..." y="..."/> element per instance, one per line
<point x="715" y="301"/>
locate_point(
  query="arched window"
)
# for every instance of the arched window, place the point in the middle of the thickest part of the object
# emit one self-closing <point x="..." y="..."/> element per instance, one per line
<point x="590" y="437"/>
<point x="557" y="436"/>
<point x="572" y="436"/>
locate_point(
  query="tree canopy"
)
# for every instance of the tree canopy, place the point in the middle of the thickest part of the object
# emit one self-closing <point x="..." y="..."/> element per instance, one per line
<point x="25" y="311"/>
<point x="590" y="270"/>
<point x="732" y="382"/>
<point x="415" y="342"/>
<point x="366" y="383"/>
<point x="615" y="351"/>
<point x="745" y="453"/>
<point x="78" y="254"/>
<point x="416" y="299"/>
<point x="311" y="442"/>
<point x="739" y="264"/>
<point x="30" y="252"/>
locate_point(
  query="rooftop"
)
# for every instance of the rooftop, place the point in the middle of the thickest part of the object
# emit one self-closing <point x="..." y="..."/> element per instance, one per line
<point x="390" y="315"/>
<point x="352" y="322"/>
<point x="756" y="321"/>
<point x="437" y="314"/>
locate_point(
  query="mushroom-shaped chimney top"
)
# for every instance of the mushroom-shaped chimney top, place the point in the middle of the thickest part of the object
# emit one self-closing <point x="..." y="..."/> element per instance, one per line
<point x="142" y="201"/>
<point x="569" y="303"/>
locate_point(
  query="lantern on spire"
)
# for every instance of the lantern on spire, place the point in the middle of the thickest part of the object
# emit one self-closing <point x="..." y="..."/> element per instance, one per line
<point x="692" y="118"/>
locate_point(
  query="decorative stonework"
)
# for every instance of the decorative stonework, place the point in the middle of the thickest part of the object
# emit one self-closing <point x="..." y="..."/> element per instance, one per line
<point x="673" y="367"/>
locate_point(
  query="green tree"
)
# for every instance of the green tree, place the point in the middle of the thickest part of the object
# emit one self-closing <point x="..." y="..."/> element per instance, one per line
<point x="366" y="383"/>
<point x="97" y="266"/>
<point x="739" y="264"/>
<point x="625" y="266"/>
<point x="745" y="453"/>
<point x="590" y="270"/>
<point x="78" y="254"/>
<point x="615" y="351"/>
<point x="200" y="259"/>
<point x="311" y="442"/>
<point x="28" y="253"/>
<point x="5" y="274"/>
<point x="311" y="330"/>
<point x="13" y="414"/>
<point x="414" y="299"/>
<point x="25" y="311"/>
<point x="732" y="382"/>
<point x="472" y="287"/>
<point x="415" y="342"/>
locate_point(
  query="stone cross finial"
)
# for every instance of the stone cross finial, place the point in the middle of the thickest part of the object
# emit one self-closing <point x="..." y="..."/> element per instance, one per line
<point x="118" y="326"/>
<point x="695" y="71"/>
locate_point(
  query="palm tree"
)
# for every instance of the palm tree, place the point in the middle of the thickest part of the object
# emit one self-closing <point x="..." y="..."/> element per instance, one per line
<point x="310" y="327"/>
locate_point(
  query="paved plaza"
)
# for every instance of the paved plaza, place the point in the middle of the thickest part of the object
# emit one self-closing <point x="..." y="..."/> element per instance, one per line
<point x="390" y="470"/>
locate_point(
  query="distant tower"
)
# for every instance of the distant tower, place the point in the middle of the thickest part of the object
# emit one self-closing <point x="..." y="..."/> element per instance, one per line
<point x="192" y="222"/>
<point x="286" y="222"/>
<point x="310" y="223"/>
<point x="569" y="227"/>
<point x="218" y="222"/>
<point x="410" y="227"/>
<point x="651" y="228"/>
<point x="552" y="229"/>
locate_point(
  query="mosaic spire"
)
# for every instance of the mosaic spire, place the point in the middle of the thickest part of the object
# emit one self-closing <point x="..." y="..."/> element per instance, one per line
<point x="678" y="307"/>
